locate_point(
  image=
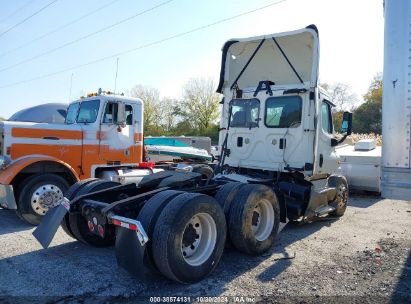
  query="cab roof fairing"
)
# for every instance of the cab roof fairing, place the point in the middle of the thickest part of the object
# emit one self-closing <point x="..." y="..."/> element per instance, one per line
<point x="301" y="47"/>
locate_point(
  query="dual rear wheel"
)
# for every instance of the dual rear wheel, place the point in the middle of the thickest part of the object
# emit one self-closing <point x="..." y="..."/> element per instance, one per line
<point x="187" y="231"/>
<point x="253" y="216"/>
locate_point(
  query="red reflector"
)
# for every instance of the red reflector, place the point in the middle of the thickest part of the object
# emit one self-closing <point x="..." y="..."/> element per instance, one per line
<point x="90" y="225"/>
<point x="124" y="225"/>
<point x="116" y="222"/>
<point x="149" y="165"/>
<point x="100" y="230"/>
<point x="132" y="227"/>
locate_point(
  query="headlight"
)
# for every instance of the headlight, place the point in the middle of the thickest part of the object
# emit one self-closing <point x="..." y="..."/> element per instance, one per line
<point x="4" y="161"/>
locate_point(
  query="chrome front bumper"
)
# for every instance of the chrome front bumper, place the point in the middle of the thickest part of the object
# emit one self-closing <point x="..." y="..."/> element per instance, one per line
<point x="7" y="199"/>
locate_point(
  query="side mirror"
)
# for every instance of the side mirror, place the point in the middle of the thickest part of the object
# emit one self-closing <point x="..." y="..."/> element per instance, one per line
<point x="121" y="115"/>
<point x="346" y="129"/>
<point x="346" y="126"/>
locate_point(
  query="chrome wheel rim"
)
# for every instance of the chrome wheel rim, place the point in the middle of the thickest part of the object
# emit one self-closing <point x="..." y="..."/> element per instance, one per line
<point x="199" y="239"/>
<point x="45" y="197"/>
<point x="342" y="196"/>
<point x="262" y="220"/>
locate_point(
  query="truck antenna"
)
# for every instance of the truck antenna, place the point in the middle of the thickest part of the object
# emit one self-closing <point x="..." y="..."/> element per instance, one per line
<point x="115" y="80"/>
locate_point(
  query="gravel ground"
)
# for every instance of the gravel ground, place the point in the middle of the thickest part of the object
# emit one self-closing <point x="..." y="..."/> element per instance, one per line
<point x="363" y="257"/>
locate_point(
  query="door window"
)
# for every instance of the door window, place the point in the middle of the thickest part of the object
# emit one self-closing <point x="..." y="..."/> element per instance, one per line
<point x="244" y="113"/>
<point x="110" y="114"/>
<point x="129" y="115"/>
<point x="283" y="112"/>
<point x="326" y="118"/>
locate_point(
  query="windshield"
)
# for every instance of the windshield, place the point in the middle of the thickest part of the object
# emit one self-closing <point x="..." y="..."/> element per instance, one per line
<point x="283" y="112"/>
<point x="244" y="113"/>
<point x="72" y="113"/>
<point x="83" y="112"/>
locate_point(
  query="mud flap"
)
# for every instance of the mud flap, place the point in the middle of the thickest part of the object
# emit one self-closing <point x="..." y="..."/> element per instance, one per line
<point x="132" y="256"/>
<point x="45" y="232"/>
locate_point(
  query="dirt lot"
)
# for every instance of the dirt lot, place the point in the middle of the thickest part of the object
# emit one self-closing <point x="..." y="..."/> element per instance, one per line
<point x="363" y="257"/>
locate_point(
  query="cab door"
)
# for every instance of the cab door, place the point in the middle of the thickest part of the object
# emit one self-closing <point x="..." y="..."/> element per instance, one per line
<point x="116" y="141"/>
<point x="326" y="157"/>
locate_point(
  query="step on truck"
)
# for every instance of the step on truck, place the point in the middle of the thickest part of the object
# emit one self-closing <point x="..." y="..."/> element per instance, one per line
<point x="276" y="165"/>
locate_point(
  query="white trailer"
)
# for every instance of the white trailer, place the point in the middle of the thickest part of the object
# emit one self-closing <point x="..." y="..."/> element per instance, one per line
<point x="396" y="108"/>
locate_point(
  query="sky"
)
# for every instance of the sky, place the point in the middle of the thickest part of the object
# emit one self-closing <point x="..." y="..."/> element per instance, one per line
<point x="350" y="31"/>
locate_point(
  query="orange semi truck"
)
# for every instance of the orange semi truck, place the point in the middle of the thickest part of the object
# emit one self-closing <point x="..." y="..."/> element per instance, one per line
<point x="102" y="137"/>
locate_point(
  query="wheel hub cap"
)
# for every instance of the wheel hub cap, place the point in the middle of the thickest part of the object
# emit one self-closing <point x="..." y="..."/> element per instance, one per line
<point x="262" y="221"/>
<point x="45" y="197"/>
<point x="190" y="235"/>
<point x="199" y="239"/>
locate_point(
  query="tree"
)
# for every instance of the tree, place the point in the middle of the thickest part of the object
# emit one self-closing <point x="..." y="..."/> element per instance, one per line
<point x="342" y="96"/>
<point x="169" y="110"/>
<point x="367" y="118"/>
<point x="152" y="106"/>
<point x="195" y="115"/>
<point x="200" y="103"/>
<point x="344" y="99"/>
<point x="212" y="131"/>
<point x="182" y="128"/>
<point x="337" y="120"/>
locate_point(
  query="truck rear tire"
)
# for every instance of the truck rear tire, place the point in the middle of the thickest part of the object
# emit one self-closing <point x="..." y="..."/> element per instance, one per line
<point x="226" y="194"/>
<point x="126" y="240"/>
<point x="41" y="192"/>
<point x="189" y="237"/>
<point x="78" y="223"/>
<point x="148" y="218"/>
<point x="206" y="171"/>
<point x="70" y="194"/>
<point x="254" y="219"/>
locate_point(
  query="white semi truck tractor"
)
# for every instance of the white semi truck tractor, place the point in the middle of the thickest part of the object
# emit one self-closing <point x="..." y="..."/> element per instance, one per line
<point x="277" y="164"/>
<point x="396" y="106"/>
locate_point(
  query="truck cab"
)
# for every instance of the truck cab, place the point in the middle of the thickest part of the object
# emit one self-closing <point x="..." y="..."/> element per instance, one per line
<point x="102" y="137"/>
<point x="112" y="132"/>
<point x="276" y="121"/>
